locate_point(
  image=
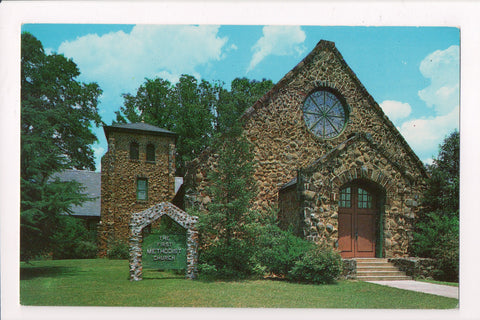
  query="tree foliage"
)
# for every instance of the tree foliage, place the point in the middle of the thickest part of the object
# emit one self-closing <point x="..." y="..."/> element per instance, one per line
<point x="443" y="189"/>
<point x="437" y="225"/>
<point x="242" y="95"/>
<point x="57" y="113"/>
<point x="226" y="228"/>
<point x="195" y="110"/>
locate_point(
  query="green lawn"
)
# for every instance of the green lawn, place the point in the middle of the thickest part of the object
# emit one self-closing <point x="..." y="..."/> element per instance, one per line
<point x="102" y="282"/>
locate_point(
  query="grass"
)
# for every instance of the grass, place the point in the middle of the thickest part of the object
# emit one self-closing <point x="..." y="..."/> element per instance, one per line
<point x="453" y="284"/>
<point x="102" y="282"/>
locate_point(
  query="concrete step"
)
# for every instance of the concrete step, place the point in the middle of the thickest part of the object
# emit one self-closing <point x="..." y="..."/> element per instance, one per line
<point x="371" y="259"/>
<point x="378" y="269"/>
<point x="384" y="268"/>
<point x="372" y="264"/>
<point x="375" y="273"/>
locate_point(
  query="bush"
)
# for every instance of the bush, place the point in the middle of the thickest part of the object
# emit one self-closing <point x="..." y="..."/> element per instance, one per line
<point x="437" y="225"/>
<point x="118" y="250"/>
<point x="318" y="266"/>
<point x="232" y="260"/>
<point x="437" y="238"/>
<point x="72" y="240"/>
<point x="278" y="250"/>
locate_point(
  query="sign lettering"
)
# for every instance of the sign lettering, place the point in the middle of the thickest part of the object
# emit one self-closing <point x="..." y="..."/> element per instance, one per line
<point x="164" y="251"/>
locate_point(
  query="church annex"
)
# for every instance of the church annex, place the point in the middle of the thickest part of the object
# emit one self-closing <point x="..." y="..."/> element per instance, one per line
<point x="329" y="159"/>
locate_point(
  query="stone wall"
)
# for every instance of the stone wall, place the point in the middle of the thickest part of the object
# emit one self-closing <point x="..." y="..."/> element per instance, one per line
<point x="349" y="269"/>
<point x="283" y="144"/>
<point x="119" y="182"/>
<point x="418" y="268"/>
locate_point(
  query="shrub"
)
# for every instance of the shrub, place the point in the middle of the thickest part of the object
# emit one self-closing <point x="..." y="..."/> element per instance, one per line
<point x="118" y="250"/>
<point x="72" y="240"/>
<point x="318" y="266"/>
<point x="228" y="260"/>
<point x="278" y="250"/>
<point x="437" y="224"/>
<point x="437" y="238"/>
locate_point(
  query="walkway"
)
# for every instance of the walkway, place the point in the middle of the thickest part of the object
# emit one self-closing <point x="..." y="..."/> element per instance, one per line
<point x="437" y="289"/>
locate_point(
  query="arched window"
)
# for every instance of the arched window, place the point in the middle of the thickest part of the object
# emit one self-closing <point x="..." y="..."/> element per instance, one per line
<point x="150" y="152"/>
<point x="134" y="151"/>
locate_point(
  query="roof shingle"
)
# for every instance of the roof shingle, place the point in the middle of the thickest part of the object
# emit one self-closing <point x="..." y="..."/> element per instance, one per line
<point x="92" y="182"/>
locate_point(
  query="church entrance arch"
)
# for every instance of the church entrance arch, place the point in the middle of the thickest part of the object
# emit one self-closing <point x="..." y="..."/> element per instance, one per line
<point x="360" y="219"/>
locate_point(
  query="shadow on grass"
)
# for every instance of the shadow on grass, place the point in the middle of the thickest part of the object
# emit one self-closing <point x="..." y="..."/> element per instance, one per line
<point x="28" y="273"/>
<point x="151" y="274"/>
<point x="162" y="278"/>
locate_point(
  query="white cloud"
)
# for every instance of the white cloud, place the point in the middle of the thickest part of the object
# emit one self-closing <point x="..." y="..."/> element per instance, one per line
<point x="396" y="110"/>
<point x="278" y="40"/>
<point x="425" y="135"/>
<point x="442" y="68"/>
<point x="121" y="61"/>
<point x="147" y="49"/>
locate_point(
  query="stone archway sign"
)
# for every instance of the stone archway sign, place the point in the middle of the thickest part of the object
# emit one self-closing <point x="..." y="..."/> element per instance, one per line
<point x="144" y="218"/>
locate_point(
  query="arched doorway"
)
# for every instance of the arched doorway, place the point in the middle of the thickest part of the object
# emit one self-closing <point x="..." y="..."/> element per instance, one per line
<point x="360" y="220"/>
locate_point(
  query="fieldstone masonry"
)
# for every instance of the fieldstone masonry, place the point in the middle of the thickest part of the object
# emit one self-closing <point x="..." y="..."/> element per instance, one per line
<point x="120" y="174"/>
<point x="418" y="268"/>
<point x="144" y="218"/>
<point x="358" y="159"/>
<point x="369" y="149"/>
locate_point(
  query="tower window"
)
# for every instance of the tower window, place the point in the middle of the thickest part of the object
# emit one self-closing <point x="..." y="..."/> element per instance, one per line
<point x="134" y="151"/>
<point x="142" y="189"/>
<point x="150" y="152"/>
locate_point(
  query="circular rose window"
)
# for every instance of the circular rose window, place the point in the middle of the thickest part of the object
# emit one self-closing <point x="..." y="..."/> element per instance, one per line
<point x="324" y="114"/>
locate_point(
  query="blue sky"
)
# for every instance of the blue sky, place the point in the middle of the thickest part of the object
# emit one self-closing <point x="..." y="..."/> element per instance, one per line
<point x="412" y="72"/>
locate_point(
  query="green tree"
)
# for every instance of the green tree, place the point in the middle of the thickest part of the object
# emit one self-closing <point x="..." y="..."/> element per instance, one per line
<point x="437" y="226"/>
<point x="186" y="108"/>
<point x="227" y="243"/>
<point x="57" y="113"/>
<point x="444" y="182"/>
<point x="193" y="117"/>
<point x="195" y="110"/>
<point x="242" y="95"/>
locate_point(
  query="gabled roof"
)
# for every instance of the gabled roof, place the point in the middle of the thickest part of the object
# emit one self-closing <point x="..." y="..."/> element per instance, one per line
<point x="138" y="127"/>
<point x="321" y="46"/>
<point x="91" y="181"/>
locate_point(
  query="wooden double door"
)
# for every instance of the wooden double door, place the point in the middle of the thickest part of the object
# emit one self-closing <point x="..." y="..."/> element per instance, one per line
<point x="357" y="214"/>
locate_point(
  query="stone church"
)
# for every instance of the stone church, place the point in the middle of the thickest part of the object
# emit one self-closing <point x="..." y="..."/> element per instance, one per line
<point x="330" y="160"/>
<point x="326" y="156"/>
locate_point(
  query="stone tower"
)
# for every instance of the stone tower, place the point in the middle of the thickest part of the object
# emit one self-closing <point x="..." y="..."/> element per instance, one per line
<point x="138" y="171"/>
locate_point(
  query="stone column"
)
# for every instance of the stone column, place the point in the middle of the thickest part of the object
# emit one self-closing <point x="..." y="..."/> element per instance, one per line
<point x="192" y="253"/>
<point x="135" y="253"/>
